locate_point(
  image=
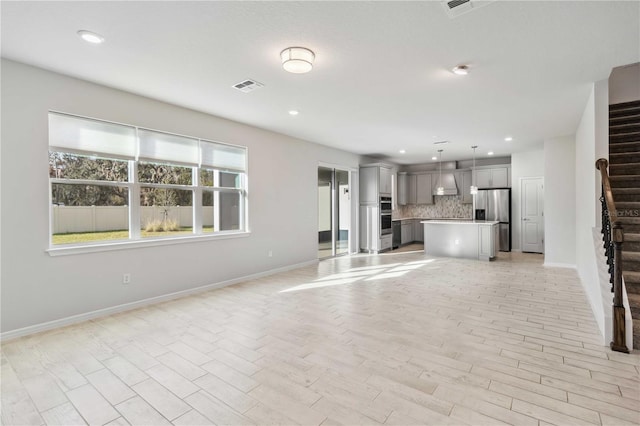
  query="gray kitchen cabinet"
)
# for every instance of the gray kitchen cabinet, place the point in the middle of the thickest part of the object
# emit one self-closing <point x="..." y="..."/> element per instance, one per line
<point x="401" y="189"/>
<point x="412" y="187"/>
<point x="418" y="231"/>
<point x="406" y="232"/>
<point x="385" y="181"/>
<point x="495" y="177"/>
<point x="500" y="177"/>
<point x="375" y="181"/>
<point x="424" y="189"/>
<point x="463" y="181"/>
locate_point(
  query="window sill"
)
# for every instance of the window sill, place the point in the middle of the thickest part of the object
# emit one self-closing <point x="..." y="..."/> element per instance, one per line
<point x="151" y="242"/>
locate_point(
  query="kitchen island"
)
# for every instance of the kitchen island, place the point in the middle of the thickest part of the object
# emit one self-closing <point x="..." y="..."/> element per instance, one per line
<point x="471" y="239"/>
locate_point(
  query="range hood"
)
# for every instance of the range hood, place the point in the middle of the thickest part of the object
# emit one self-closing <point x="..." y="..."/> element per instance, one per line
<point x="448" y="182"/>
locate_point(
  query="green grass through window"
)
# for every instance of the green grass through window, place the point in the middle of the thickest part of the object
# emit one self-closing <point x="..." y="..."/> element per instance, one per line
<point x="88" y="237"/>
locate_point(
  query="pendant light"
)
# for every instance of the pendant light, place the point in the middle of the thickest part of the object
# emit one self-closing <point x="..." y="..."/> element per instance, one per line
<point x="440" y="189"/>
<point x="473" y="189"/>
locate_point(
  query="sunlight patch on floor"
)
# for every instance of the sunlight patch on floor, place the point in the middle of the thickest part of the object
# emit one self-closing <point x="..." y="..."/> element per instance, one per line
<point x="365" y="273"/>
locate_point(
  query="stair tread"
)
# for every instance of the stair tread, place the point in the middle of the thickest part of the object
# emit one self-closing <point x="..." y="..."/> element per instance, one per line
<point x="635" y="113"/>
<point x="631" y="236"/>
<point x="624" y="105"/>
<point x="629" y="219"/>
<point x="624" y="153"/>
<point x="624" y="177"/>
<point x="626" y="190"/>
<point x="637" y="164"/>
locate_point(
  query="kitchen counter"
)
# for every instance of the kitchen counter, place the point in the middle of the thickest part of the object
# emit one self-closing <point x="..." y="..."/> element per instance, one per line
<point x="432" y="218"/>
<point x="461" y="222"/>
<point x="471" y="239"/>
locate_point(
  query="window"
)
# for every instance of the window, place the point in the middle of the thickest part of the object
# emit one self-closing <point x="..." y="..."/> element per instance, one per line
<point x="116" y="182"/>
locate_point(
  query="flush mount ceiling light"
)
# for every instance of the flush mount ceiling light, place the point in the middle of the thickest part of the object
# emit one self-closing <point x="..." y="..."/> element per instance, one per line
<point x="508" y="139"/>
<point x="91" y="37"/>
<point x="461" y="70"/>
<point x="297" y="60"/>
<point x="293" y="112"/>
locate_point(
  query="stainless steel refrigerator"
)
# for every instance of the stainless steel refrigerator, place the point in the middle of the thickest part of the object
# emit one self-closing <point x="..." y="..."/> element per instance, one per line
<point x="495" y="204"/>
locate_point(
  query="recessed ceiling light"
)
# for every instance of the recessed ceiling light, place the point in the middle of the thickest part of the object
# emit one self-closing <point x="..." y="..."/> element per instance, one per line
<point x="434" y="158"/>
<point x="91" y="37"/>
<point x="293" y="112"/>
<point x="490" y="153"/>
<point x="402" y="151"/>
<point x="461" y="70"/>
<point x="297" y="60"/>
<point x="508" y="139"/>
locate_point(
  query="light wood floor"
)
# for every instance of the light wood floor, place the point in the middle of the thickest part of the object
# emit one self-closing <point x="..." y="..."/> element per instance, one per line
<point x="395" y="339"/>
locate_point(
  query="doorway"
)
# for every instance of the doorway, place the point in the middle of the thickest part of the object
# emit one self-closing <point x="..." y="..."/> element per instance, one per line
<point x="532" y="214"/>
<point x="334" y="212"/>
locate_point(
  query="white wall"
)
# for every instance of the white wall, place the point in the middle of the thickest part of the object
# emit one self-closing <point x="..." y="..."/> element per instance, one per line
<point x="523" y="164"/>
<point x="37" y="288"/>
<point x="624" y="84"/>
<point x="560" y="201"/>
<point x="591" y="143"/>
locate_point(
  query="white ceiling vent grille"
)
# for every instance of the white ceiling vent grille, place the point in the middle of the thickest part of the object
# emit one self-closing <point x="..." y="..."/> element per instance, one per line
<point x="456" y="8"/>
<point x="248" y="86"/>
<point x="440" y="142"/>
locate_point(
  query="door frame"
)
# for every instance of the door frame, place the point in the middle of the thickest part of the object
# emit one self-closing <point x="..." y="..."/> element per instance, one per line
<point x="521" y="211"/>
<point x="354" y="202"/>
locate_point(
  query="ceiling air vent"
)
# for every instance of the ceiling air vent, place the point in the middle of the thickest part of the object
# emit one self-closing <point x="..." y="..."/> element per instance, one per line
<point x="456" y="8"/>
<point x="440" y="142"/>
<point x="456" y="3"/>
<point x="248" y="86"/>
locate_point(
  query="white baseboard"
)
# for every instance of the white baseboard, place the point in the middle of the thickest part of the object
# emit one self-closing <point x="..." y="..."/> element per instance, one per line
<point x="62" y="322"/>
<point x="559" y="265"/>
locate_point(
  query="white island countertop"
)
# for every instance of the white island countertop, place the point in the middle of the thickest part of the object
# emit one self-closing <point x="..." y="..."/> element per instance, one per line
<point x="471" y="239"/>
<point x="460" y="222"/>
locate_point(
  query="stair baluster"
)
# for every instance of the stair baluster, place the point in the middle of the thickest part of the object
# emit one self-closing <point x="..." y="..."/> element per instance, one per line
<point x="613" y="239"/>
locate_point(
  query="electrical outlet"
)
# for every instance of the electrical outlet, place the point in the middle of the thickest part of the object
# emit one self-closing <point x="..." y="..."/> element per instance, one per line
<point x="270" y="254"/>
<point x="126" y="278"/>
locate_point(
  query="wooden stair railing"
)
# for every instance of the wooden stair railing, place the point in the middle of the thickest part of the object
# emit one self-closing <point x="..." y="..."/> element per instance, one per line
<point x="613" y="237"/>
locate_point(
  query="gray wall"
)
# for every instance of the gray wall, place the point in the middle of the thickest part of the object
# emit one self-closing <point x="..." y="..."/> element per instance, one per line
<point x="523" y="164"/>
<point x="37" y="288"/>
<point x="560" y="201"/>
<point x="591" y="144"/>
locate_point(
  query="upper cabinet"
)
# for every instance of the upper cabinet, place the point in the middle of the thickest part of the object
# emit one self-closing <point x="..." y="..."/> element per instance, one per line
<point x="495" y="177"/>
<point x="375" y="181"/>
<point x="412" y="189"/>
<point x="419" y="187"/>
<point x="401" y="190"/>
<point x="424" y="188"/>
<point x="385" y="181"/>
<point x="463" y="179"/>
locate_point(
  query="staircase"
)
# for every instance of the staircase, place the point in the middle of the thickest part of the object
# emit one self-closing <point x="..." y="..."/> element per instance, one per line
<point x="624" y="171"/>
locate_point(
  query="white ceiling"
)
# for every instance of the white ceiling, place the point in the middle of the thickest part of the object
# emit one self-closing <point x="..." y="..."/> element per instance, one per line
<point x="381" y="81"/>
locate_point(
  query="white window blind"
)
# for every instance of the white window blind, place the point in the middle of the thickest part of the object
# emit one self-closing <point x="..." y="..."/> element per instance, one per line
<point x="157" y="146"/>
<point x="222" y="156"/>
<point x="86" y="136"/>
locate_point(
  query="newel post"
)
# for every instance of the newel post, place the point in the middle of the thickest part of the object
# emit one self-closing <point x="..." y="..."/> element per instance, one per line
<point x="618" y="342"/>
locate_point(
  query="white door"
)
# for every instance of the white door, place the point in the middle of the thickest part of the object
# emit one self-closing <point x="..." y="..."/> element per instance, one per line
<point x="532" y="214"/>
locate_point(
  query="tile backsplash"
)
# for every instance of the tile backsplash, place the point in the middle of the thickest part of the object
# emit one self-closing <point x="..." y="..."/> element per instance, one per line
<point x="444" y="206"/>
